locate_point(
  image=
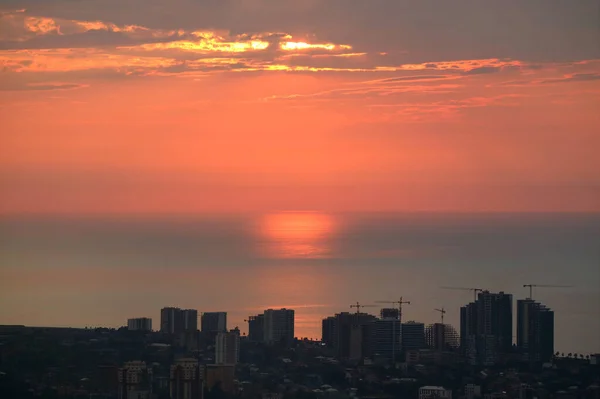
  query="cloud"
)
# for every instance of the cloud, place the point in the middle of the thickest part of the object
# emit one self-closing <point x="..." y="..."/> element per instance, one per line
<point x="15" y="86"/>
<point x="577" y="77"/>
<point x="483" y="70"/>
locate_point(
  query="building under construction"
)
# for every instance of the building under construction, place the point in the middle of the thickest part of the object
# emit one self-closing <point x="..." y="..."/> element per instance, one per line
<point x="442" y="337"/>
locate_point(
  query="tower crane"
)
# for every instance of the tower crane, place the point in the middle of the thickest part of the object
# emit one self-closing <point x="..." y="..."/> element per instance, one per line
<point x="358" y="306"/>
<point x="442" y="312"/>
<point x="475" y="290"/>
<point x="399" y="303"/>
<point x="544" y="286"/>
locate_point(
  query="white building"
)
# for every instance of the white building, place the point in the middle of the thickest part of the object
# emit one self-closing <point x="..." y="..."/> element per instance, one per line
<point x="139" y="324"/>
<point x="227" y="348"/>
<point x="428" y="392"/>
<point x="135" y="380"/>
<point x="279" y="326"/>
<point x="186" y="379"/>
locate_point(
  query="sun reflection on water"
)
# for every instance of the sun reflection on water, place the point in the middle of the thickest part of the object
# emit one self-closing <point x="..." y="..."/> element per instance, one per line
<point x="297" y="235"/>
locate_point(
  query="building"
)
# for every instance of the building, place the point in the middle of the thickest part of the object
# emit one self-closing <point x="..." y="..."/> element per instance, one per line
<point x="190" y="320"/>
<point x="442" y="337"/>
<point x="279" y="326"/>
<point x="385" y="338"/>
<point x="135" y="380"/>
<point x="486" y="327"/>
<point x="413" y="335"/>
<point x="390" y="313"/>
<point x="214" y="322"/>
<point x="227" y="347"/>
<point x="186" y="379"/>
<point x="350" y="339"/>
<point x="472" y="391"/>
<point x="139" y="324"/>
<point x="171" y="320"/>
<point x="535" y="331"/>
<point x="428" y="392"/>
<point x="222" y="375"/>
<point x="256" y="328"/>
<point x="328" y="330"/>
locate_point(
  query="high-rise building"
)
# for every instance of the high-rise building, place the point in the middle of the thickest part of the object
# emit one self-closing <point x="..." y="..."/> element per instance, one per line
<point x="190" y="320"/>
<point x="385" y="338"/>
<point x="442" y="337"/>
<point x="214" y="322"/>
<point x="328" y="330"/>
<point x="535" y="330"/>
<point x="350" y="339"/>
<point x="227" y="348"/>
<point x="186" y="379"/>
<point x="279" y="326"/>
<point x="390" y="313"/>
<point x="171" y="320"/>
<point x="413" y="335"/>
<point x="139" y="324"/>
<point x="486" y="327"/>
<point x="256" y="328"/>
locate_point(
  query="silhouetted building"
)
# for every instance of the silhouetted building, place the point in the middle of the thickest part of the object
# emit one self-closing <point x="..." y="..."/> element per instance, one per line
<point x="350" y="335"/>
<point x="390" y="313"/>
<point x="171" y="320"/>
<point x="135" y="380"/>
<point x="431" y="392"/>
<point x="214" y="322"/>
<point x="413" y="335"/>
<point x="385" y="335"/>
<point x="535" y="331"/>
<point x="139" y="324"/>
<point x="190" y="320"/>
<point x="186" y="379"/>
<point x="227" y="348"/>
<point x="328" y="331"/>
<point x="486" y="327"/>
<point x="256" y="328"/>
<point x="442" y="337"/>
<point x="279" y="326"/>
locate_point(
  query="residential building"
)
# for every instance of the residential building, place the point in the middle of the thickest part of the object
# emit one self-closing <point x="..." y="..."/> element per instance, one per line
<point x="350" y="339"/>
<point x="171" y="320"/>
<point x="413" y="335"/>
<point x="135" y="380"/>
<point x="227" y="348"/>
<point x="186" y="379"/>
<point x="442" y="337"/>
<point x="386" y="341"/>
<point x="486" y="327"/>
<point x="472" y="391"/>
<point x="190" y="320"/>
<point x="256" y="328"/>
<point x="535" y="331"/>
<point x="214" y="322"/>
<point x="139" y="324"/>
<point x="279" y="326"/>
<point x="390" y="313"/>
<point x="328" y="330"/>
<point x="430" y="392"/>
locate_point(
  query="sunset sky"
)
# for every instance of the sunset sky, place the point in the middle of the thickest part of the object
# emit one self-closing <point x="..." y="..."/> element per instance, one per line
<point x="148" y="106"/>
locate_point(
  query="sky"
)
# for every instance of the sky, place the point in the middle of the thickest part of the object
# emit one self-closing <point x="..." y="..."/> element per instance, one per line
<point x="148" y="106"/>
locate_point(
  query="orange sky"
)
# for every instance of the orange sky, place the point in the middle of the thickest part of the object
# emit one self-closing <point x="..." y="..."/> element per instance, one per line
<point x="104" y="110"/>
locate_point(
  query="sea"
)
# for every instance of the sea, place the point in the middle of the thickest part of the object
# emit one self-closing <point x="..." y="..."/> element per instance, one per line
<point x="98" y="270"/>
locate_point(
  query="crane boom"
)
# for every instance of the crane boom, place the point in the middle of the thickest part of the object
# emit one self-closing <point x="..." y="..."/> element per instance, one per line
<point x="475" y="290"/>
<point x="442" y="312"/>
<point x="399" y="303"/>
<point x="543" y="286"/>
<point x="358" y="306"/>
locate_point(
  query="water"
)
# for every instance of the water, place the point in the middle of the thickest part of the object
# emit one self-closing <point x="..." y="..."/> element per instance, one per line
<point x="100" y="271"/>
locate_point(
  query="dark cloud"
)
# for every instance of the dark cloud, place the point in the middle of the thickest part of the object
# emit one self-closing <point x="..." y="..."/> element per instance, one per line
<point x="578" y="77"/>
<point x="17" y="86"/>
<point x="535" y="30"/>
<point x="483" y="70"/>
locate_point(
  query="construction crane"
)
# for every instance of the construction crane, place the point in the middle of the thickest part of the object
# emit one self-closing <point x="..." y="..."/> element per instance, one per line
<point x="475" y="290"/>
<point x="442" y="312"/>
<point x="544" y="286"/>
<point x="358" y="306"/>
<point x="399" y="303"/>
